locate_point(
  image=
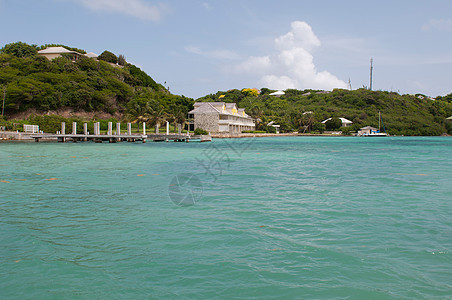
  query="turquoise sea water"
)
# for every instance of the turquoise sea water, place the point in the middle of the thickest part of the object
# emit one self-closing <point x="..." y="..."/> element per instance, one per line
<point x="270" y="218"/>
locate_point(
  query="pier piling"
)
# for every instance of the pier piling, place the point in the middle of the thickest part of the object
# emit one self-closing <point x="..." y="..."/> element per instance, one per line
<point x="110" y="128"/>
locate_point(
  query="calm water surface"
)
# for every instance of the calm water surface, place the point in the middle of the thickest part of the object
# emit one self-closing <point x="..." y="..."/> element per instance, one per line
<point x="289" y="217"/>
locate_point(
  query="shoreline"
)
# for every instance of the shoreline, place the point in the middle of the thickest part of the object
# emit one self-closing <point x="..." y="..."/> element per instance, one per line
<point x="13" y="136"/>
<point x="26" y="137"/>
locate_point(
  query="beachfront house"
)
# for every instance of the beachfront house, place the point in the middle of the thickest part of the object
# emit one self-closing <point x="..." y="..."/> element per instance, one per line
<point x="367" y="130"/>
<point x="220" y="117"/>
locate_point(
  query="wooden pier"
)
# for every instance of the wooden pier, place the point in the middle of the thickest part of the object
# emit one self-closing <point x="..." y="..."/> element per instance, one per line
<point x="97" y="138"/>
<point x="115" y="137"/>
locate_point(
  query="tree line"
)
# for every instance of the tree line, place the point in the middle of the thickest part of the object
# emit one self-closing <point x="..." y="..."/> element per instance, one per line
<point x="110" y="84"/>
<point x="106" y="84"/>
<point x="304" y="110"/>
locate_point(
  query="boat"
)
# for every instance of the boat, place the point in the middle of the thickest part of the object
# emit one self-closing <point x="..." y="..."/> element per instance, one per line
<point x="372" y="131"/>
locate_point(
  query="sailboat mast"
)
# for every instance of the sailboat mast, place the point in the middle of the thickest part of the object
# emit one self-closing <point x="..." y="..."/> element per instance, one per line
<point x="371" y="71"/>
<point x="379" y="121"/>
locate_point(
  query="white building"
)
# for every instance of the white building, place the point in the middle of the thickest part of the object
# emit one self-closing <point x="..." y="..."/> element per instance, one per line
<point x="344" y="121"/>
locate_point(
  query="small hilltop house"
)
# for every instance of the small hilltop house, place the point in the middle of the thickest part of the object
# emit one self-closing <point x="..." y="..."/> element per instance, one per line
<point x="54" y="52"/>
<point x="220" y="117"/>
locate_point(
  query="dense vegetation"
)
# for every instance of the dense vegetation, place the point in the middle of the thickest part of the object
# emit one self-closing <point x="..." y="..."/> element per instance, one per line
<point x="111" y="85"/>
<point x="29" y="81"/>
<point x="303" y="111"/>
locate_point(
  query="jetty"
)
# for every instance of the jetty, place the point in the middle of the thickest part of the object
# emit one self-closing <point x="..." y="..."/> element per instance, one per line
<point x="117" y="136"/>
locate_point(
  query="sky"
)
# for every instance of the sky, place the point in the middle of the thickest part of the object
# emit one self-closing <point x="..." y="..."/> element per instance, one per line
<point x="200" y="47"/>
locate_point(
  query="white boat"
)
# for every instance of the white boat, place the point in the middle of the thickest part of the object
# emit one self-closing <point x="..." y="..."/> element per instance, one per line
<point x="372" y="131"/>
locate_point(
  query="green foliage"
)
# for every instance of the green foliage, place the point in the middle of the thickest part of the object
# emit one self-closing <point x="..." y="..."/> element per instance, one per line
<point x="254" y="131"/>
<point x="108" y="57"/>
<point x="303" y="110"/>
<point x="33" y="82"/>
<point x="447" y="98"/>
<point x="319" y="126"/>
<point x="140" y="78"/>
<point x="51" y="123"/>
<point x="200" y="131"/>
<point x="333" y="124"/>
<point x="122" y="60"/>
<point x="20" y="49"/>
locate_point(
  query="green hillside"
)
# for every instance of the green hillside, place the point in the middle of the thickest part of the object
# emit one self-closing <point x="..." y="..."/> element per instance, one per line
<point x="108" y="84"/>
<point x="401" y="114"/>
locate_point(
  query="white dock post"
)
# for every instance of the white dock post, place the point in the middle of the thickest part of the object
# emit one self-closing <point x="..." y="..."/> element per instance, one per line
<point x="74" y="128"/>
<point x="98" y="128"/>
<point x="110" y="128"/>
<point x="167" y="128"/>
<point x="144" y="128"/>
<point x="63" y="127"/>
<point x="129" y="128"/>
<point x="118" y="128"/>
<point x="179" y="129"/>
<point x="85" y="128"/>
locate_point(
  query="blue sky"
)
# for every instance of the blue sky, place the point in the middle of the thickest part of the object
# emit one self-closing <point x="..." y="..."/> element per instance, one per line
<point x="200" y="47"/>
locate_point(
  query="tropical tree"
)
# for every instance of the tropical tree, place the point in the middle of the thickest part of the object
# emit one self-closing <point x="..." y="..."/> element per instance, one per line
<point x="333" y="124"/>
<point x="108" y="57"/>
<point x="121" y="60"/>
<point x="20" y="49"/>
<point x="139" y="110"/>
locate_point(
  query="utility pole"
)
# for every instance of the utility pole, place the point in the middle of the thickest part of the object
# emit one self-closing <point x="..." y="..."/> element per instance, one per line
<point x="371" y="71"/>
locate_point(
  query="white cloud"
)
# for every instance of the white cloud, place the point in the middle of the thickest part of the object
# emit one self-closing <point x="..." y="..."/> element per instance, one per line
<point x="207" y="6"/>
<point x="135" y="8"/>
<point x="292" y="66"/>
<point x="216" y="54"/>
<point x="301" y="36"/>
<point x="442" y="25"/>
<point x="255" y="64"/>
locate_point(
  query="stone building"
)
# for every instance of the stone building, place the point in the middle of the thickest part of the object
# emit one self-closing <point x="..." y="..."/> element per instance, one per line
<point x="220" y="117"/>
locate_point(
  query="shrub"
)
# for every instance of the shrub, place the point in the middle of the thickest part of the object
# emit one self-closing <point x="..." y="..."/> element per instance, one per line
<point x="108" y="57"/>
<point x="333" y="124"/>
<point x="320" y="127"/>
<point x="200" y="131"/>
<point x="254" y="131"/>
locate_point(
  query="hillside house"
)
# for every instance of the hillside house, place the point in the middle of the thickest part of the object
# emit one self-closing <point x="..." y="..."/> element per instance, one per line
<point x="54" y="52"/>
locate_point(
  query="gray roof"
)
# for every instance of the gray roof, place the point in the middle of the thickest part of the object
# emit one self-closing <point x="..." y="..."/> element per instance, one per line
<point x="56" y="50"/>
<point x="369" y="127"/>
<point x="217" y="108"/>
<point x="204" y="108"/>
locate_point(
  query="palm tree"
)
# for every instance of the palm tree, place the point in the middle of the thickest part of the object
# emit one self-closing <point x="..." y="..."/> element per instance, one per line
<point x="178" y="115"/>
<point x="139" y="112"/>
<point x="157" y="115"/>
